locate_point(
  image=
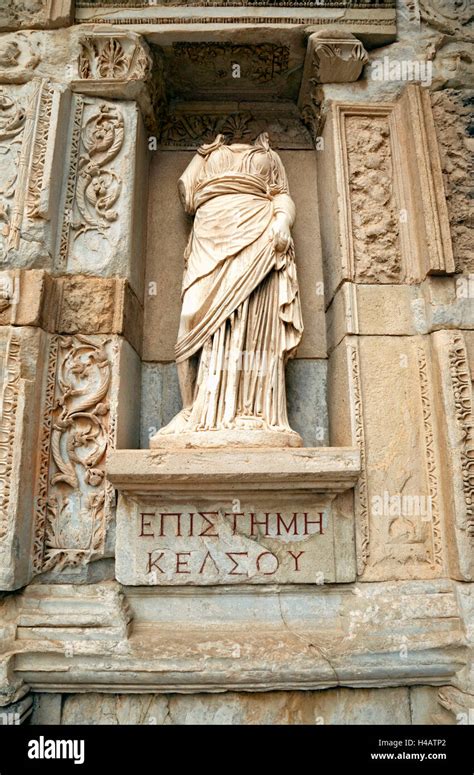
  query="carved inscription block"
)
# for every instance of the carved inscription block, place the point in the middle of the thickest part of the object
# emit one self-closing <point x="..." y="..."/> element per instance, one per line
<point x="207" y="541"/>
<point x="256" y="522"/>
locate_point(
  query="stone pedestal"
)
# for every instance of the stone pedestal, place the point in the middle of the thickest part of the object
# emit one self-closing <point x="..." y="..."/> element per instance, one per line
<point x="234" y="516"/>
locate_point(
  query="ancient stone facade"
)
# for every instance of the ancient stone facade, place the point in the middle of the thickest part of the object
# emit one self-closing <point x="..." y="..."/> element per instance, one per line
<point x="325" y="583"/>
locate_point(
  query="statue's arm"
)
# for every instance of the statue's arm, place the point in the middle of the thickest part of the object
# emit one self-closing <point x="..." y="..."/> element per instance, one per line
<point x="187" y="183"/>
<point x="283" y="205"/>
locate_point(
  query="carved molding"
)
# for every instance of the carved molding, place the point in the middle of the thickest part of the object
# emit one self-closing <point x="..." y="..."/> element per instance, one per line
<point x="27" y="127"/>
<point x="431" y="463"/>
<point x="74" y="499"/>
<point x="361" y="490"/>
<point x="462" y="391"/>
<point x="34" y="206"/>
<point x="376" y="619"/>
<point x="9" y="403"/>
<point x="335" y="58"/>
<point x="222" y="3"/>
<point x="393" y="218"/>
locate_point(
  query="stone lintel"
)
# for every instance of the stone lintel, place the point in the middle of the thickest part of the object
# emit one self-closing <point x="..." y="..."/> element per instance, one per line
<point x="161" y="23"/>
<point x="267" y="638"/>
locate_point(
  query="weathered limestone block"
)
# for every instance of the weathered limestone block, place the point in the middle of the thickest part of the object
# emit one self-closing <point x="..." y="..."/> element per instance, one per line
<point x="381" y="173"/>
<point x="23" y="295"/>
<point x="451" y="112"/>
<point x="400" y="705"/>
<point x="86" y="413"/>
<point x="333" y="706"/>
<point x="70" y="304"/>
<point x="22" y="368"/>
<point x="12" y="688"/>
<point x="436" y="304"/>
<point x="249" y="638"/>
<point x="227" y="516"/>
<point x="92" y="305"/>
<point x="456" y="369"/>
<point x="31" y="117"/>
<point x="104" y="192"/>
<point x="20" y="55"/>
<point x="383" y="397"/>
<point x="17" y="14"/>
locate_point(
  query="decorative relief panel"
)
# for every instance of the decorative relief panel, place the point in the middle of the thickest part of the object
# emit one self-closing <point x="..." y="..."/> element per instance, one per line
<point x="383" y="168"/>
<point x="12" y="127"/>
<point x="28" y="120"/>
<point x="398" y="511"/>
<point x="98" y="195"/>
<point x="74" y="500"/>
<point x="374" y="210"/>
<point x="186" y="127"/>
<point x="121" y="57"/>
<point x="20" y="54"/>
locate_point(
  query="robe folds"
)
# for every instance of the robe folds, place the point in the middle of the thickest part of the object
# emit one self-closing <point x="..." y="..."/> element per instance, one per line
<point x="241" y="315"/>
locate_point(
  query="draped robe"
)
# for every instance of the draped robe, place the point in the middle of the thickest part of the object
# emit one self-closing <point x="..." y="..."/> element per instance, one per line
<point x="241" y="315"/>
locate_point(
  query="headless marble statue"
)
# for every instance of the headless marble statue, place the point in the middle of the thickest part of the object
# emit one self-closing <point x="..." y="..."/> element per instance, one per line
<point x="241" y="315"/>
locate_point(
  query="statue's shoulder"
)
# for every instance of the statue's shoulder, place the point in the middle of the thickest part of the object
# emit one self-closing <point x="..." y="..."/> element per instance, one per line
<point x="206" y="149"/>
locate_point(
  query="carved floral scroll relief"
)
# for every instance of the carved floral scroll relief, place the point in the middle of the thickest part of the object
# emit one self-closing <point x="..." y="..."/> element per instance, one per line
<point x="453" y="349"/>
<point x="28" y="120"/>
<point x="74" y="500"/>
<point x="96" y="232"/>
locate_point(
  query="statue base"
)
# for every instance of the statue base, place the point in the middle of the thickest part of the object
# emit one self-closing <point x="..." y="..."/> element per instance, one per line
<point x="230" y="438"/>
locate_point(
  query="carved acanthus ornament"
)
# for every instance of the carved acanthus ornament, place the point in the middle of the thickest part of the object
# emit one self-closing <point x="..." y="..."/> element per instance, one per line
<point x="74" y="499"/>
<point x="122" y="57"/>
<point x="188" y="129"/>
<point x="98" y="186"/>
<point x="331" y="57"/>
